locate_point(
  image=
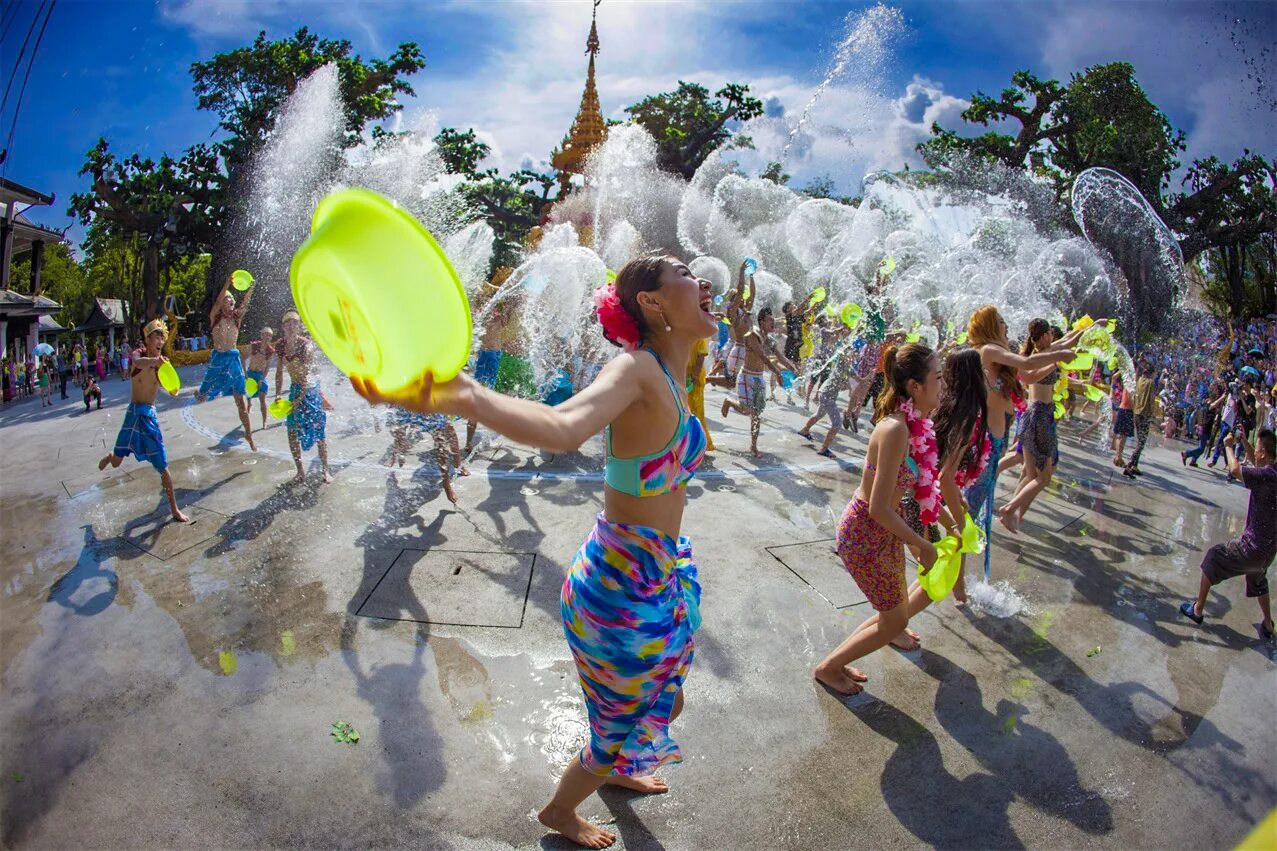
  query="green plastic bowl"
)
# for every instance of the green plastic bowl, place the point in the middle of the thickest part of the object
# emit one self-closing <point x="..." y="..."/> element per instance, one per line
<point x="168" y="378"/>
<point x="377" y="293"/>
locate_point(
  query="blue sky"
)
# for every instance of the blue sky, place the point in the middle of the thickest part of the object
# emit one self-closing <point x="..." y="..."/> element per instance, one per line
<point x="514" y="70"/>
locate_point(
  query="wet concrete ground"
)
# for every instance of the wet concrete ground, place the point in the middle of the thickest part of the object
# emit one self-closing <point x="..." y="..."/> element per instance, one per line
<point x="169" y="685"/>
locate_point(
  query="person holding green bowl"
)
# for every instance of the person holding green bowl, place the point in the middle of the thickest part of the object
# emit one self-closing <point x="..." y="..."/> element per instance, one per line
<point x="225" y="373"/>
<point x="307" y="418"/>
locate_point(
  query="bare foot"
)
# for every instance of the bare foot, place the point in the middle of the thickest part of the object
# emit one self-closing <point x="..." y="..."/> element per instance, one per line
<point x="959" y="594"/>
<point x="463" y="470"/>
<point x="328" y="478"/>
<point x="755" y="453"/>
<point x="856" y="674"/>
<point x="251" y="444"/>
<point x="449" y="492"/>
<point x="1009" y="520"/>
<point x="575" y="828"/>
<point x="106" y="459"/>
<point x="180" y="517"/>
<point x="649" y="785"/>
<point x="726" y="404"/>
<point x="907" y="640"/>
<point x="838" y="680"/>
<point x="299" y="478"/>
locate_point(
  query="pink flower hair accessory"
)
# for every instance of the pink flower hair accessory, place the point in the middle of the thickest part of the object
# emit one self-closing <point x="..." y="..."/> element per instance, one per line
<point x="619" y="325"/>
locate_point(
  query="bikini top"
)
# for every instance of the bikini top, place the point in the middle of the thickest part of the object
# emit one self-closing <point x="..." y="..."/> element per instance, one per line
<point x="666" y="470"/>
<point x="906" y="476"/>
<point x="1050" y="378"/>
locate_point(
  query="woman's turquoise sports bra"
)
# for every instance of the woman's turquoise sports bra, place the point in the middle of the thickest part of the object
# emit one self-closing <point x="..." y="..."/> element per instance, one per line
<point x="666" y="470"/>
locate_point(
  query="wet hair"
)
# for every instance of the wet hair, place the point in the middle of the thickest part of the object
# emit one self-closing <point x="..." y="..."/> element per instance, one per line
<point x="1057" y="332"/>
<point x="640" y="275"/>
<point x="765" y="313"/>
<point x="1037" y="327"/>
<point x="900" y="365"/>
<point x="962" y="408"/>
<point x="266" y="329"/>
<point x="984" y="327"/>
<point x="1267" y="441"/>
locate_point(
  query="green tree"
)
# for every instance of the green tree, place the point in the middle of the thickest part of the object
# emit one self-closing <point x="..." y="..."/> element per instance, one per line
<point x="511" y="205"/>
<point x="1243" y="197"/>
<point x="461" y="151"/>
<point x="61" y="279"/>
<point x="775" y="173"/>
<point x="248" y="86"/>
<point x="1104" y="118"/>
<point x="172" y="207"/>
<point x="688" y="125"/>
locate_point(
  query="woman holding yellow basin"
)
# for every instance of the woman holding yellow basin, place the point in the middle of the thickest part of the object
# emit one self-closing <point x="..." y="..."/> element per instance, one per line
<point x="630" y="603"/>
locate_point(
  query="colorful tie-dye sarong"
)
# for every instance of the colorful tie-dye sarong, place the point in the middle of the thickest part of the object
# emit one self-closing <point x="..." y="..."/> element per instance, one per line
<point x="630" y="604"/>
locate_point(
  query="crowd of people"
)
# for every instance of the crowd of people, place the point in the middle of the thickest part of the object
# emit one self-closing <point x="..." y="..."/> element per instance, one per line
<point x="946" y="422"/>
<point x="78" y="365"/>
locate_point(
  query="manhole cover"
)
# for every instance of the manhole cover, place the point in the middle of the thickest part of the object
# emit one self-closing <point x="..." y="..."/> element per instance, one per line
<point x="817" y="564"/>
<point x="453" y="587"/>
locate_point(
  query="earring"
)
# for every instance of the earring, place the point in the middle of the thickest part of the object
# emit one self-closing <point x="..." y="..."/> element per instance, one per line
<point x="668" y="328"/>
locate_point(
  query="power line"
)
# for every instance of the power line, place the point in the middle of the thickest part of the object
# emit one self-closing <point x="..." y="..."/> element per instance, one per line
<point x="13" y="75"/>
<point x="8" y="145"/>
<point x="7" y="18"/>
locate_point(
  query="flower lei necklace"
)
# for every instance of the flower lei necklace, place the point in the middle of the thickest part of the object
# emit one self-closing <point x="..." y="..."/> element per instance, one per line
<point x="926" y="455"/>
<point x="966" y="474"/>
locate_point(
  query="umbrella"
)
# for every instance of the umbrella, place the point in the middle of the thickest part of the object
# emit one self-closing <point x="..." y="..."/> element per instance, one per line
<point x="1250" y="370"/>
<point x="42" y="350"/>
<point x="1256" y="352"/>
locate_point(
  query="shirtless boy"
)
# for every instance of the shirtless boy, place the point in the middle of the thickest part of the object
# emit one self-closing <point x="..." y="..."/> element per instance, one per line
<point x="750" y="386"/>
<point x="306" y="421"/>
<point x="225" y="373"/>
<point x="140" y="434"/>
<point x="256" y="362"/>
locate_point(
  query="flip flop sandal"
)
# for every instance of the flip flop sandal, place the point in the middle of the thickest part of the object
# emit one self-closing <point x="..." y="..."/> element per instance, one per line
<point x="1186" y="609"/>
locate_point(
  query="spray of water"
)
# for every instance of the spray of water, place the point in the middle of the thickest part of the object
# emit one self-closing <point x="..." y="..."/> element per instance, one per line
<point x="864" y="49"/>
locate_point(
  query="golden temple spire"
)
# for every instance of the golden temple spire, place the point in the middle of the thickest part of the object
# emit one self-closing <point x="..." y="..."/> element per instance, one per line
<point x="589" y="129"/>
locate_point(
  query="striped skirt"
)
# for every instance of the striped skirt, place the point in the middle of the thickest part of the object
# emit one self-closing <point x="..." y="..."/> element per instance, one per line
<point x="630" y="604"/>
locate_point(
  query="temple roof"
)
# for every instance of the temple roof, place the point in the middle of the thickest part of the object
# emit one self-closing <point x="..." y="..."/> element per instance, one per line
<point x="589" y="129"/>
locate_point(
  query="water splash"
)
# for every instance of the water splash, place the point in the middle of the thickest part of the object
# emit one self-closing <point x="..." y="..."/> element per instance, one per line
<point x="996" y="599"/>
<point x="1114" y="216"/>
<point x="865" y="48"/>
